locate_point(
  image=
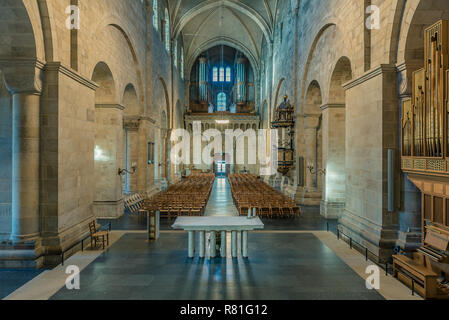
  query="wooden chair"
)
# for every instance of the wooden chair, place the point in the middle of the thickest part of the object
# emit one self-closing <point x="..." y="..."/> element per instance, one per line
<point x="98" y="236"/>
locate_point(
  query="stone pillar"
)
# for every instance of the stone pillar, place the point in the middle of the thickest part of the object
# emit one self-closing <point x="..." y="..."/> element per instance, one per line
<point x="131" y="126"/>
<point x="23" y="79"/>
<point x="108" y="200"/>
<point x="372" y="127"/>
<point x="25" y="182"/>
<point x="241" y="80"/>
<point x="202" y="79"/>
<point x="334" y="146"/>
<point x="310" y="195"/>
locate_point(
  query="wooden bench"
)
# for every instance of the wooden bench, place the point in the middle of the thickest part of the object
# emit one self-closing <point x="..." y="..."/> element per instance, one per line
<point x="410" y="271"/>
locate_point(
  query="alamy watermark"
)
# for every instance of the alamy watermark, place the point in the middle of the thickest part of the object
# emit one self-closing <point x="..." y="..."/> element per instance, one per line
<point x="261" y="146"/>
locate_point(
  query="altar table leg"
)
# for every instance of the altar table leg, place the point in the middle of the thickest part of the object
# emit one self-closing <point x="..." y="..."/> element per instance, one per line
<point x="202" y="244"/>
<point x="191" y="244"/>
<point x="213" y="243"/>
<point x="245" y="244"/>
<point x="234" y="244"/>
<point x="223" y="244"/>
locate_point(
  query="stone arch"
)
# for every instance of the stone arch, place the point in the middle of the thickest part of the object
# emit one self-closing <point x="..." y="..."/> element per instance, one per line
<point x="314" y="98"/>
<point x="49" y="30"/>
<point x="310" y="57"/>
<point x="278" y="91"/>
<point x="21" y="31"/>
<point x="228" y="42"/>
<point x="167" y="103"/>
<point x="21" y="46"/>
<point x="130" y="100"/>
<point x="418" y="14"/>
<point x="210" y="4"/>
<point x="342" y="73"/>
<point x="409" y="48"/>
<point x="106" y="92"/>
<point x="115" y="22"/>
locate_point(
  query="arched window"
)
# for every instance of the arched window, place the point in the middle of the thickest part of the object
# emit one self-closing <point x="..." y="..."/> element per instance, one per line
<point x="221" y="102"/>
<point x="167" y="31"/>
<point x="228" y="74"/>
<point x="215" y="74"/>
<point x="222" y="74"/>
<point x="155" y="15"/>
<point x="182" y="62"/>
<point x="175" y="54"/>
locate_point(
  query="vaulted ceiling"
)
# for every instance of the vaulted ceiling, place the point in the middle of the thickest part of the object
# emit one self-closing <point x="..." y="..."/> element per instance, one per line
<point x="241" y="24"/>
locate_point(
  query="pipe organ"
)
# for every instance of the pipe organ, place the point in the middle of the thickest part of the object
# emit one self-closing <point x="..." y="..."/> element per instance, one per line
<point x="425" y="158"/>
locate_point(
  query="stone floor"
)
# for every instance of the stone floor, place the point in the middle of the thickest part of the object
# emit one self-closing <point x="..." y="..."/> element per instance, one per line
<point x="12" y="279"/>
<point x="280" y="267"/>
<point x="290" y="259"/>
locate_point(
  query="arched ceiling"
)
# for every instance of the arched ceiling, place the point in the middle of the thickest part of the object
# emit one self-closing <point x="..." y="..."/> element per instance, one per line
<point x="239" y="23"/>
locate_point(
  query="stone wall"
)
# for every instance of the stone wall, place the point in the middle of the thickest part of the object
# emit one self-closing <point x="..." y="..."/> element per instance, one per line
<point x="362" y="73"/>
<point x="80" y="110"/>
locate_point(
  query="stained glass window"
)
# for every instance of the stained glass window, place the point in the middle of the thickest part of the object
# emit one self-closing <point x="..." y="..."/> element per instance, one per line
<point x="215" y="74"/>
<point x="221" y="101"/>
<point x="222" y="74"/>
<point x="228" y="74"/>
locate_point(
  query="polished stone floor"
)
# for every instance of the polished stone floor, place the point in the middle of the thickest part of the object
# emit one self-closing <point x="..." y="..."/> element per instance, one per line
<point x="281" y="266"/>
<point x="12" y="279"/>
<point x="220" y="201"/>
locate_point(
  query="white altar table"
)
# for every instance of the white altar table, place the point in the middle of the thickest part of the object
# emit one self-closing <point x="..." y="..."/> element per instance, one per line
<point x="217" y="224"/>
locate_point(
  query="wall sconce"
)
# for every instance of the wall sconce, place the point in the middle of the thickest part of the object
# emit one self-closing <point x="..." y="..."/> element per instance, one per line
<point x="122" y="172"/>
<point x="319" y="171"/>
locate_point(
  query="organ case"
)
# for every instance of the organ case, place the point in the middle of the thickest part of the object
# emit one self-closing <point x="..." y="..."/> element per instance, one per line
<point x="425" y="157"/>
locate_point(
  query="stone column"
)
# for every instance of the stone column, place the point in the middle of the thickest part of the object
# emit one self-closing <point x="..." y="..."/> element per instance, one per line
<point x="334" y="146"/>
<point x="131" y="126"/>
<point x="309" y="194"/>
<point x="25" y="182"/>
<point x="108" y="200"/>
<point x="23" y="79"/>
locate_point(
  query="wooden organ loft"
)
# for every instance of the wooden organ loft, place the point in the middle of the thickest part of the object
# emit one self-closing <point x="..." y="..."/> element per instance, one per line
<point x="425" y="158"/>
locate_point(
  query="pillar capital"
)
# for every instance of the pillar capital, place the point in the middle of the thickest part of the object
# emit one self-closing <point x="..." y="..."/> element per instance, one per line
<point x="131" y="123"/>
<point x="22" y="75"/>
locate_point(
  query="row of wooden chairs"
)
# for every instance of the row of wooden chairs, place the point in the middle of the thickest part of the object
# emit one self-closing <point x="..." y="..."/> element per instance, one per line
<point x="186" y="198"/>
<point x="250" y="193"/>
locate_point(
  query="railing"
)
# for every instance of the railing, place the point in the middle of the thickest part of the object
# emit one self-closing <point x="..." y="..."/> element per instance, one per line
<point x="109" y="226"/>
<point x="352" y="242"/>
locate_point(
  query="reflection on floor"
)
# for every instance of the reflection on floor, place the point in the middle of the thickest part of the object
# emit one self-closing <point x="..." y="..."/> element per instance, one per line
<point x="281" y="266"/>
<point x="220" y="201"/>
